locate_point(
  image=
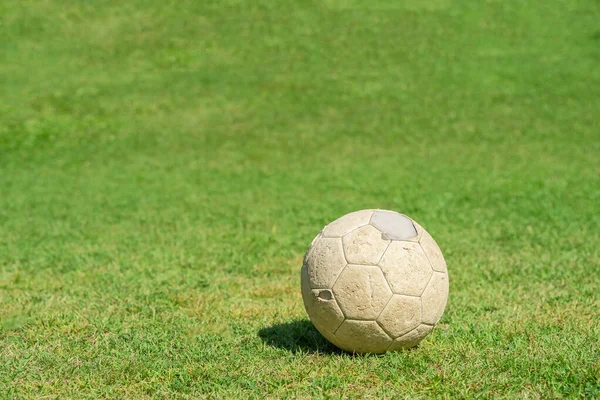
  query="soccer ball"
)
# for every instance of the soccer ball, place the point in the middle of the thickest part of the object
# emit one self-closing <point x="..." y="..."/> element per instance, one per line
<point x="374" y="281"/>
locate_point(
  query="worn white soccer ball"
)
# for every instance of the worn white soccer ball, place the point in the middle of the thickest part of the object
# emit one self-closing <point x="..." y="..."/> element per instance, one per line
<point x="374" y="281"/>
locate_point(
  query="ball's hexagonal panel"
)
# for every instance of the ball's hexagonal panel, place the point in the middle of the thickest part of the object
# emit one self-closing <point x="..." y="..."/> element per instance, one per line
<point x="347" y="223"/>
<point x="411" y="339"/>
<point x="362" y="337"/>
<point x="364" y="246"/>
<point x="321" y="307"/>
<point x="362" y="292"/>
<point x="325" y="260"/>
<point x="393" y="225"/>
<point x="304" y="284"/>
<point x="433" y="299"/>
<point x="401" y="315"/>
<point x="310" y="248"/>
<point x="324" y="310"/>
<point x="406" y="268"/>
<point x="436" y="258"/>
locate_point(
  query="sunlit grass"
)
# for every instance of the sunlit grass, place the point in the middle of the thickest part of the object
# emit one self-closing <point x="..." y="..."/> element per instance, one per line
<point x="164" y="165"/>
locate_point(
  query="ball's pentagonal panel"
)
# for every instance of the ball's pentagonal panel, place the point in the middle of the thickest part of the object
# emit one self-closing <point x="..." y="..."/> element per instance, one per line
<point x="393" y="225"/>
<point x="411" y="339"/>
<point x="347" y="223"/>
<point x="401" y="315"/>
<point x="434" y="298"/>
<point x="361" y="292"/>
<point x="324" y="262"/>
<point x="406" y="268"/>
<point x="434" y="254"/>
<point x="364" y="246"/>
<point x="362" y="337"/>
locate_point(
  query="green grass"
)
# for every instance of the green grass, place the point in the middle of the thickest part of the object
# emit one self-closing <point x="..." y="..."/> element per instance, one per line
<point x="164" y="165"/>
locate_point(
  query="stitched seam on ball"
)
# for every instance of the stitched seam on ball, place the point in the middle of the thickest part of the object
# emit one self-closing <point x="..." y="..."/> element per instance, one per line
<point x="364" y="265"/>
<point x="344" y="251"/>
<point x="344" y="234"/>
<point x="386" y="304"/>
<point x="419" y="234"/>
<point x="426" y="256"/>
<point x="334" y="296"/>
<point x="431" y="266"/>
<point x="386" y="332"/>
<point x="383" y="254"/>
<point x="338" y="328"/>
<point x="383" y="272"/>
<point x="426" y="286"/>
<point x="388" y="348"/>
<point x="408" y="295"/>
<point x="349" y="232"/>
<point x="338" y="277"/>
<point x="372" y="214"/>
<point x="414" y="329"/>
<point x="418" y="237"/>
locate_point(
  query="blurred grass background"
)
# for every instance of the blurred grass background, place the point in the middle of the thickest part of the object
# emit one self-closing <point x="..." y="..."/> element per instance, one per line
<point x="164" y="165"/>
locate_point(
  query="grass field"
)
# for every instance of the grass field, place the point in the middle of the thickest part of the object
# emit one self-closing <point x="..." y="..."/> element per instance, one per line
<point x="164" y="165"/>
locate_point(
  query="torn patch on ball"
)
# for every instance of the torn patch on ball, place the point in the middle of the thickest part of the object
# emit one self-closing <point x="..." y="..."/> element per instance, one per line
<point x="393" y="226"/>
